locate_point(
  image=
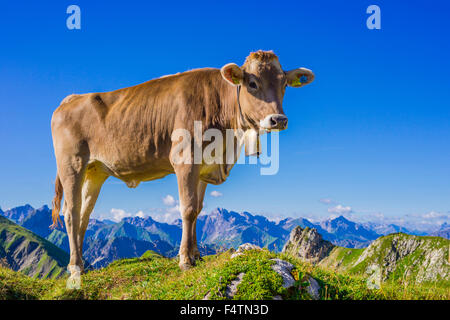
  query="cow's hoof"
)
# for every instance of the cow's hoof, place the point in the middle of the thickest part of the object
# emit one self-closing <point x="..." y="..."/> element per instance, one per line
<point x="75" y="270"/>
<point x="198" y="258"/>
<point x="186" y="266"/>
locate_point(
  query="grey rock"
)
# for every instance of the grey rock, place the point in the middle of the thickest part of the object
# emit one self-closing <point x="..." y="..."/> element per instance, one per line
<point x="313" y="288"/>
<point x="231" y="289"/>
<point x="284" y="268"/>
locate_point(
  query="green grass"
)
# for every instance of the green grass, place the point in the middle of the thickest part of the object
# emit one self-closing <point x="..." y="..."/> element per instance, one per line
<point x="155" y="277"/>
<point x="16" y="285"/>
<point x="20" y="236"/>
<point x="342" y="258"/>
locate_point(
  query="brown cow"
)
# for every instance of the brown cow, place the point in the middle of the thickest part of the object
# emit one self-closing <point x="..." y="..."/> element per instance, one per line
<point x="127" y="134"/>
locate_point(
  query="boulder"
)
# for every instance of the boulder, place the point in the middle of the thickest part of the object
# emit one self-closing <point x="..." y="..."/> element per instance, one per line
<point x="313" y="288"/>
<point x="284" y="268"/>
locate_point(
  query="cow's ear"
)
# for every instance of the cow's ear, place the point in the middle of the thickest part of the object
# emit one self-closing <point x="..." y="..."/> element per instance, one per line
<point x="299" y="77"/>
<point x="232" y="73"/>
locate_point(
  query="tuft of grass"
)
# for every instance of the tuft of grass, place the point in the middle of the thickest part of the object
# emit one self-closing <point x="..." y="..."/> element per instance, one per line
<point x="18" y="286"/>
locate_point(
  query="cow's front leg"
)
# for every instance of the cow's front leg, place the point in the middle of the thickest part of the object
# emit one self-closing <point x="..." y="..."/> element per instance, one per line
<point x="187" y="176"/>
<point x="187" y="258"/>
<point x="201" y="188"/>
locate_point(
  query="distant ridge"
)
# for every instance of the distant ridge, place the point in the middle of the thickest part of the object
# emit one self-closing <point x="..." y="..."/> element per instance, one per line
<point x="443" y="231"/>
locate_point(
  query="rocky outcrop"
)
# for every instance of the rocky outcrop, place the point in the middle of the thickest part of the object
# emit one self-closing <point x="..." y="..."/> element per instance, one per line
<point x="421" y="259"/>
<point x="308" y="245"/>
<point x="396" y="256"/>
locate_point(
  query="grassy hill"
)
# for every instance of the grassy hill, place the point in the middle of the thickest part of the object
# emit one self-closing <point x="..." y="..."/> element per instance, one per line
<point x="155" y="277"/>
<point x="23" y="251"/>
<point x="398" y="257"/>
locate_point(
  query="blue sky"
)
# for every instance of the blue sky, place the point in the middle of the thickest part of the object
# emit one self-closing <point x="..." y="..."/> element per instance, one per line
<point x="371" y="134"/>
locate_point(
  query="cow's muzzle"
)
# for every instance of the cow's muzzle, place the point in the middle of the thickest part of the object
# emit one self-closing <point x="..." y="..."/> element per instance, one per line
<point x="274" y="122"/>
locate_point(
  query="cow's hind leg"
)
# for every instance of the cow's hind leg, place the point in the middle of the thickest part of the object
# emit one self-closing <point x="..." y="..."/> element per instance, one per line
<point x="93" y="181"/>
<point x="71" y="172"/>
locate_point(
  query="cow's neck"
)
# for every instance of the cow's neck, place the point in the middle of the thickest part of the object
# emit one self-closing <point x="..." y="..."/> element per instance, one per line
<point x="231" y="112"/>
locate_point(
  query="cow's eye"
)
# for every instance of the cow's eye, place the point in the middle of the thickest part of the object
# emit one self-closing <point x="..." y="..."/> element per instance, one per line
<point x="253" y="85"/>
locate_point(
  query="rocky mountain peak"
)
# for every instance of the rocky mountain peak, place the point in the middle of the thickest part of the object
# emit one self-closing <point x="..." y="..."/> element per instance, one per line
<point x="307" y="244"/>
<point x="18" y="214"/>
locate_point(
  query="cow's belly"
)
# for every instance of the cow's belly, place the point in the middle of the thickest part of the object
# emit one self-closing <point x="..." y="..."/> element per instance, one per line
<point x="133" y="174"/>
<point x="215" y="173"/>
<point x="134" y="169"/>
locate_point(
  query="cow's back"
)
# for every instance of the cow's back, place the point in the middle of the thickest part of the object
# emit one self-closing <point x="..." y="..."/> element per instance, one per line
<point x="129" y="129"/>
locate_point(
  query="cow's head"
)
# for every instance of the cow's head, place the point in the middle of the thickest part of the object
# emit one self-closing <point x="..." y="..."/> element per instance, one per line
<point x="263" y="83"/>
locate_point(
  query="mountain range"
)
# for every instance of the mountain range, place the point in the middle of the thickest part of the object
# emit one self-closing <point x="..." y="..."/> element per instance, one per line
<point x="443" y="231"/>
<point x="107" y="241"/>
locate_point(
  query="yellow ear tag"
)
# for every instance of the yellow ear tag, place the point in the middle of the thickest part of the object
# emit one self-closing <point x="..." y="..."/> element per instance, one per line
<point x="298" y="83"/>
<point x="234" y="79"/>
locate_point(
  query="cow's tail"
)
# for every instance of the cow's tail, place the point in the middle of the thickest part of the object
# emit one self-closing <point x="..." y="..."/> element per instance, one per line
<point x="56" y="204"/>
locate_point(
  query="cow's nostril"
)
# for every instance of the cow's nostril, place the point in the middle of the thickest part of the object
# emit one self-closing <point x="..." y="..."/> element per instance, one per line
<point x="273" y="122"/>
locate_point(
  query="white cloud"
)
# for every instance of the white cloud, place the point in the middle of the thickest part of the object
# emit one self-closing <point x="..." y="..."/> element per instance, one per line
<point x="339" y="209"/>
<point x="169" y="200"/>
<point x="118" y="214"/>
<point x="327" y="201"/>
<point x="168" y="215"/>
<point x="216" y="194"/>
<point x="435" y="215"/>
